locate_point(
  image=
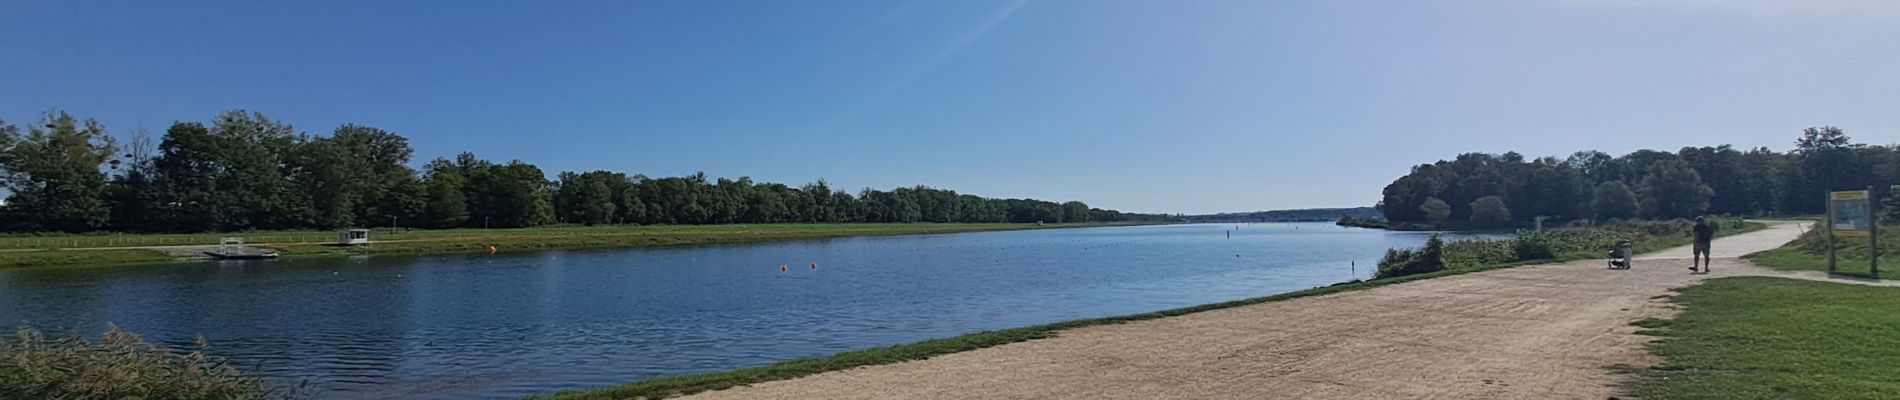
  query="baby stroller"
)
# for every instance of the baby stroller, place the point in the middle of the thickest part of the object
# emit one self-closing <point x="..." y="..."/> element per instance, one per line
<point x="1620" y="255"/>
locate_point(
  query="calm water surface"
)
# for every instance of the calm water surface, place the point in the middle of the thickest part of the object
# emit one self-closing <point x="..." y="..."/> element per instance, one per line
<point x="510" y="325"/>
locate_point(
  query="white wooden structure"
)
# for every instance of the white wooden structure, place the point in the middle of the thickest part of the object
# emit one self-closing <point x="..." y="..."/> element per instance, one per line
<point x="352" y="237"/>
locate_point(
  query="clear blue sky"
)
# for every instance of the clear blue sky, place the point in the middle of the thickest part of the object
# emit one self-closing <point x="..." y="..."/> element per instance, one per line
<point x="1151" y="106"/>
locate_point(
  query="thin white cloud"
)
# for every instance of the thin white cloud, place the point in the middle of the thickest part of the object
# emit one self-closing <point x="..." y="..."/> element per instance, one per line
<point x="956" y="45"/>
<point x="1786" y="10"/>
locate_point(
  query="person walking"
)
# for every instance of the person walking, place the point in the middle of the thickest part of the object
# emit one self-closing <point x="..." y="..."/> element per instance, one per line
<point x="1704" y="233"/>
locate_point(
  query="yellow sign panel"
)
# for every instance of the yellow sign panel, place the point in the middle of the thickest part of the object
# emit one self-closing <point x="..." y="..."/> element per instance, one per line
<point x="1853" y="195"/>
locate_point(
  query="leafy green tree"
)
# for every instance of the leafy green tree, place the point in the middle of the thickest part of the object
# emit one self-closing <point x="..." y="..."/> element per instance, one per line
<point x="1436" y="211"/>
<point x="590" y="198"/>
<point x="1673" y="190"/>
<point x="1825" y="161"/>
<point x="445" y="199"/>
<point x="1075" y="211"/>
<point x="54" y="174"/>
<point x="1490" y="211"/>
<point x="232" y="175"/>
<point x="1614" y="200"/>
<point x="511" y="195"/>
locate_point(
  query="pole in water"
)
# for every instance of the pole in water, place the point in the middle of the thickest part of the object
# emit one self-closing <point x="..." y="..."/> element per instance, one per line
<point x="1355" y="269"/>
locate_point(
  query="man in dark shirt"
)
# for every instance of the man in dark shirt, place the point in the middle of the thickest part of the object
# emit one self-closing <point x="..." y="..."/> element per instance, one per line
<point x="1704" y="233"/>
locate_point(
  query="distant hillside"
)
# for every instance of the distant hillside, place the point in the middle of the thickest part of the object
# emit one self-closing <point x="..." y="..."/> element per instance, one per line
<point x="1305" y="215"/>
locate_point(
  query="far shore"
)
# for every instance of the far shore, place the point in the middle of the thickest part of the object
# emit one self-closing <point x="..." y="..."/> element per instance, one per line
<point x="116" y="249"/>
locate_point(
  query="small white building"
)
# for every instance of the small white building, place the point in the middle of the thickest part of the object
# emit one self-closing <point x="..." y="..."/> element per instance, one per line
<point x="352" y="237"/>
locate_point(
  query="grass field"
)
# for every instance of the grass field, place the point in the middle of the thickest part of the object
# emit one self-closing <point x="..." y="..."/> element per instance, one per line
<point x="37" y="258"/>
<point x="1770" y="338"/>
<point x="1810" y="253"/>
<point x="314" y="244"/>
<point x="400" y="234"/>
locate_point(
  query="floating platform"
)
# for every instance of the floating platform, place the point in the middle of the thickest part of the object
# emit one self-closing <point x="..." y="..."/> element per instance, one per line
<point x="246" y="254"/>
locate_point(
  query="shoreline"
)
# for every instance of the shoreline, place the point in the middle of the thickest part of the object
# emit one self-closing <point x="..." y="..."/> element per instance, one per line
<point x="663" y="387"/>
<point x="520" y="240"/>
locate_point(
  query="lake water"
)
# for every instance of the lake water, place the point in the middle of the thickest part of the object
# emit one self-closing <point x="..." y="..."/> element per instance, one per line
<point x="511" y="325"/>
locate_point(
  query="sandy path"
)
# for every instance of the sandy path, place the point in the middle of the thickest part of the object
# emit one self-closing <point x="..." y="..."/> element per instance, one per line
<point x="1536" y="332"/>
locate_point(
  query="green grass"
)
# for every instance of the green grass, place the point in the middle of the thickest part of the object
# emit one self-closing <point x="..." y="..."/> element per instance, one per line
<point x="121" y="366"/>
<point x="1771" y="338"/>
<point x="1809" y="252"/>
<point x="39" y="258"/>
<point x="450" y="241"/>
<point x="51" y="241"/>
<point x="628" y="237"/>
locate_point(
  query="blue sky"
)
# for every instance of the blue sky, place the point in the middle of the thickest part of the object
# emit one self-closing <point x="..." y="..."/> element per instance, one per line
<point x="1151" y="106"/>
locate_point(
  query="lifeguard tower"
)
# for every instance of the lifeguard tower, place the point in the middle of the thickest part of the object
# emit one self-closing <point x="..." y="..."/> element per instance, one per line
<point x="352" y="237"/>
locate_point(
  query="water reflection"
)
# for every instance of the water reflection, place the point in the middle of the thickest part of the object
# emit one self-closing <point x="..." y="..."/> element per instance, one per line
<point x="522" y="324"/>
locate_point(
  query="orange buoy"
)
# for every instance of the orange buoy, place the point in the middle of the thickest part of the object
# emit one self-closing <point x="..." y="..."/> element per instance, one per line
<point x="814" y="265"/>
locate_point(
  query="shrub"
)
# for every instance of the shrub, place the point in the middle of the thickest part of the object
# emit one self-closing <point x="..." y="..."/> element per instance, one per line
<point x="1402" y="262"/>
<point x="1533" y="245"/>
<point x="1477" y="252"/>
<point x="119" y="366"/>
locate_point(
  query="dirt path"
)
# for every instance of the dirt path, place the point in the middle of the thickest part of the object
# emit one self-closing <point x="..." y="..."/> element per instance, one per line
<point x="1535" y="332"/>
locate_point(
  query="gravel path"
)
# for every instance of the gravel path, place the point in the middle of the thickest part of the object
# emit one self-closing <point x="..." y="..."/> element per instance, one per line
<point x="1534" y="332"/>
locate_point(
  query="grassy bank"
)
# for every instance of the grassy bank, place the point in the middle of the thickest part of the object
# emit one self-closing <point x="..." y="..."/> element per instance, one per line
<point x="450" y="241"/>
<point x="38" y="258"/>
<point x="1810" y="253"/>
<point x="120" y="366"/>
<point x="1770" y="338"/>
<point x="680" y="385"/>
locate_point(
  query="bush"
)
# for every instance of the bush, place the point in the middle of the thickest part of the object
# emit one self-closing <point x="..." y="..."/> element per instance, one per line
<point x="1478" y="252"/>
<point x="1533" y="245"/>
<point x="1402" y="262"/>
<point x="120" y="366"/>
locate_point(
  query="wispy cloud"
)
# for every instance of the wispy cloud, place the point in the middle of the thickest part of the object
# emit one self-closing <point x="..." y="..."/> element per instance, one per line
<point x="950" y="49"/>
<point x="1767" y="9"/>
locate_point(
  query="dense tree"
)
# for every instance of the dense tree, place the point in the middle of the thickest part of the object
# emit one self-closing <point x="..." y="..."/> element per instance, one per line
<point x="590" y="198"/>
<point x="1688" y="182"/>
<point x="1614" y="200"/>
<point x="1673" y="190"/>
<point x="235" y="174"/>
<point x="445" y="202"/>
<point x="1490" y="211"/>
<point x="243" y="171"/>
<point x="1436" y="211"/>
<point x="511" y="195"/>
<point x="1825" y="160"/>
<point x="53" y="172"/>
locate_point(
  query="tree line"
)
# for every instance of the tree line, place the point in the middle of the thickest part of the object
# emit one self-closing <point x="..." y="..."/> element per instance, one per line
<point x="1299" y="215"/>
<point x="1495" y="190"/>
<point x="245" y="171"/>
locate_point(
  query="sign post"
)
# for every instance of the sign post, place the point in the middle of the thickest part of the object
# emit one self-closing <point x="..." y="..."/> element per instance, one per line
<point x="1851" y="214"/>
